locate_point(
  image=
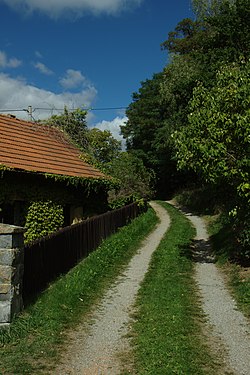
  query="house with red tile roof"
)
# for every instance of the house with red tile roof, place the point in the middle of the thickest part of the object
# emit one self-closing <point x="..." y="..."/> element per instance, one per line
<point x="38" y="162"/>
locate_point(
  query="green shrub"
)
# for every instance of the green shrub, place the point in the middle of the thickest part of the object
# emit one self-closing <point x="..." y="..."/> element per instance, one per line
<point x="43" y="218"/>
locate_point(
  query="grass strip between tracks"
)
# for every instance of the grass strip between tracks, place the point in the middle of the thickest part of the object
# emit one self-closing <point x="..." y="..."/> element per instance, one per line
<point x="166" y="333"/>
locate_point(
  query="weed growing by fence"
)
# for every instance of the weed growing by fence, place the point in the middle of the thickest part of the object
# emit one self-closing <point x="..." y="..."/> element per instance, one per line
<point x="37" y="335"/>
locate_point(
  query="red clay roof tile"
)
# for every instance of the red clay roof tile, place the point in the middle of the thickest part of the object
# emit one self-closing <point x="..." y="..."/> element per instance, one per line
<point x="39" y="148"/>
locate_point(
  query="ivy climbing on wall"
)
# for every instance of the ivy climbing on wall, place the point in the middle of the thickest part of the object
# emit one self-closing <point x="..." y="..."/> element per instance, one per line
<point x="43" y="218"/>
<point x="40" y="203"/>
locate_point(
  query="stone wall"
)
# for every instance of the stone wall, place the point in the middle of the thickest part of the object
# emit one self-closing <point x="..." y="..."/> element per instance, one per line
<point x="11" y="272"/>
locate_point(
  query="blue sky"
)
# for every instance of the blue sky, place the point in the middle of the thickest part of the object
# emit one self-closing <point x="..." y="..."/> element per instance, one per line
<point x="91" y="53"/>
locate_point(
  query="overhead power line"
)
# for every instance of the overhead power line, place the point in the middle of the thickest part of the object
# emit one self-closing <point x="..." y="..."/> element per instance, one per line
<point x="61" y="109"/>
<point x="107" y="108"/>
<point x="13" y="110"/>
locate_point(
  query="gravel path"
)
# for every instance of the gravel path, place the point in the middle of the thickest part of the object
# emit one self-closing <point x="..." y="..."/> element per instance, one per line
<point x="229" y="327"/>
<point x="95" y="347"/>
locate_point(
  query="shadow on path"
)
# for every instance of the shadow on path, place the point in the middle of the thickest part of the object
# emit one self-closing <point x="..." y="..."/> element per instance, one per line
<point x="229" y="326"/>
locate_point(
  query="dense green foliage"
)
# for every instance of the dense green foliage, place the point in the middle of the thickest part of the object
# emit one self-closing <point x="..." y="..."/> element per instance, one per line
<point x="36" y="336"/>
<point x="145" y="135"/>
<point x="72" y="123"/>
<point x="190" y="123"/>
<point x="57" y="191"/>
<point x="43" y="218"/>
<point x="102" y="146"/>
<point x="128" y="179"/>
<point x="135" y="180"/>
<point x="216" y="141"/>
<point x="146" y="113"/>
<point x="96" y="145"/>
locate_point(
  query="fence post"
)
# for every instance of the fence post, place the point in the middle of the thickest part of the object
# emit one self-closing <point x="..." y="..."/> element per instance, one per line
<point x="11" y="272"/>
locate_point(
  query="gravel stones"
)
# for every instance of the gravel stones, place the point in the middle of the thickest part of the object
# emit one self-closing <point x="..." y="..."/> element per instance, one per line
<point x="228" y="324"/>
<point x="95" y="347"/>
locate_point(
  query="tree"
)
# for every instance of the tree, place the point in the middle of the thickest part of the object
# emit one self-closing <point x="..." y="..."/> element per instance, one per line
<point x="220" y="35"/>
<point x="74" y="124"/>
<point x="145" y="115"/>
<point x="102" y="150"/>
<point x="216" y="142"/>
<point x="199" y="49"/>
<point x="231" y="29"/>
<point x="186" y="37"/>
<point x="102" y="145"/>
<point x="208" y="8"/>
<point x="98" y="147"/>
<point x="135" y="179"/>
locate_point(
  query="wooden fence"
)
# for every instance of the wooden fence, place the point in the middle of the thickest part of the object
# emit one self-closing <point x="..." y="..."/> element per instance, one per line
<point x="51" y="256"/>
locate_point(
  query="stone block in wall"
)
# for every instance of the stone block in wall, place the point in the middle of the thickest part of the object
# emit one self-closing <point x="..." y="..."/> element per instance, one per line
<point x="5" y="312"/>
<point x="11" y="272"/>
<point x="5" y="288"/>
<point x="8" y="292"/>
<point x="11" y="257"/>
<point x="11" y="275"/>
<point x="10" y="237"/>
<point x="5" y="274"/>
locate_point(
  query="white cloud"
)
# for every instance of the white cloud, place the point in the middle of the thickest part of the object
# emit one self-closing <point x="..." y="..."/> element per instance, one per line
<point x="38" y="54"/>
<point x="72" y="79"/>
<point x="43" y="68"/>
<point x="5" y="62"/>
<point x="57" y="8"/>
<point x="114" y="127"/>
<point x="17" y="94"/>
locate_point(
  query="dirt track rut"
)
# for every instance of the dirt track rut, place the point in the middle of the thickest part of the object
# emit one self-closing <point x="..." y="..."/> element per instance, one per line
<point x="94" y="347"/>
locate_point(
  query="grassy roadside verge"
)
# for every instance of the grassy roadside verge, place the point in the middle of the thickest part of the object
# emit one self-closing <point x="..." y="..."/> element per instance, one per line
<point x="206" y="203"/>
<point x="237" y="277"/>
<point x="167" y="336"/>
<point x="37" y="334"/>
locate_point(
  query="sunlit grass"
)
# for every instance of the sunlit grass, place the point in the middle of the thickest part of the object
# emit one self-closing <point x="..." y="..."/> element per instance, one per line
<point x="238" y="277"/>
<point x="167" y="335"/>
<point x="36" y="336"/>
<point x="205" y="202"/>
